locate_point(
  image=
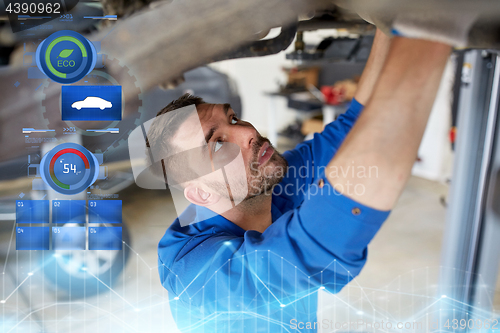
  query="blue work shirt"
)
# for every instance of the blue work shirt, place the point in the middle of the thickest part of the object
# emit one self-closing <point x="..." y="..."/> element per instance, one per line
<point x="221" y="278"/>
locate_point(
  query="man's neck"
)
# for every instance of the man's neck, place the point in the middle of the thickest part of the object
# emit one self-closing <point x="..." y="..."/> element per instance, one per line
<point x="252" y="214"/>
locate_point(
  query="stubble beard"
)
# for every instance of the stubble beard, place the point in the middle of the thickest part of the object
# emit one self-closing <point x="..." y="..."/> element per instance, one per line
<point x="260" y="181"/>
<point x="263" y="178"/>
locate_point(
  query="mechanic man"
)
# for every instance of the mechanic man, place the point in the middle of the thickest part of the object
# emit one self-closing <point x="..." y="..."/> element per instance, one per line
<point x="257" y="266"/>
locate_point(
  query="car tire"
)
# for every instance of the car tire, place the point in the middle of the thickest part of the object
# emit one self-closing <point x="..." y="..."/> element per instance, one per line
<point x="59" y="269"/>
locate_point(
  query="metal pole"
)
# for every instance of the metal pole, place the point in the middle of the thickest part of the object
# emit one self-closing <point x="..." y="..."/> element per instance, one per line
<point x="475" y="136"/>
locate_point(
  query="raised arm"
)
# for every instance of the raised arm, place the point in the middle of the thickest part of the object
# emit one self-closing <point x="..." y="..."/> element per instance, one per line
<point x="373" y="67"/>
<point x="388" y="132"/>
<point x="320" y="150"/>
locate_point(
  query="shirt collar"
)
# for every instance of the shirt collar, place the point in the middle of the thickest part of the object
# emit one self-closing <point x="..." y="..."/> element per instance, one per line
<point x="208" y="218"/>
<point x="205" y="218"/>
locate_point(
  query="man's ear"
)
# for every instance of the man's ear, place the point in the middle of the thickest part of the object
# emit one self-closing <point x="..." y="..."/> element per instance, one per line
<point x="200" y="197"/>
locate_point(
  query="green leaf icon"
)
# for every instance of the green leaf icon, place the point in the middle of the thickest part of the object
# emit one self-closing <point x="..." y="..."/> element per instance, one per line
<point x="65" y="53"/>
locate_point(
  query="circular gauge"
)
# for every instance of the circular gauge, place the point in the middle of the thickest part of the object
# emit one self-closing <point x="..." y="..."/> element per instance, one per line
<point x="66" y="56"/>
<point x="69" y="168"/>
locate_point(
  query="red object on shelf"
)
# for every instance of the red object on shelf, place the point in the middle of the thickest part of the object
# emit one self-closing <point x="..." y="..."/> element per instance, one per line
<point x="453" y="134"/>
<point x="333" y="95"/>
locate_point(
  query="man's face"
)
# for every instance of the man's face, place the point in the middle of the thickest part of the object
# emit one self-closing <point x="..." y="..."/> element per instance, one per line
<point x="222" y="131"/>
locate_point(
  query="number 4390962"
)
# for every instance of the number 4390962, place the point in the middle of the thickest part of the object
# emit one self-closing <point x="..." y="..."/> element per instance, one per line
<point x="471" y="324"/>
<point x="33" y="8"/>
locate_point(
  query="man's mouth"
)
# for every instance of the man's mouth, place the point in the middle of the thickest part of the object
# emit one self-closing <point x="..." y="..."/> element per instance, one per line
<point x="265" y="153"/>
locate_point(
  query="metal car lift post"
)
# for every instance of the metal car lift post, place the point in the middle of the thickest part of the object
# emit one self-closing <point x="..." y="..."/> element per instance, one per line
<point x="471" y="245"/>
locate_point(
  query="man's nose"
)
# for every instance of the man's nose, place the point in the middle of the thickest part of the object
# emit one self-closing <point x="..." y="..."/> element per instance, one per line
<point x="247" y="136"/>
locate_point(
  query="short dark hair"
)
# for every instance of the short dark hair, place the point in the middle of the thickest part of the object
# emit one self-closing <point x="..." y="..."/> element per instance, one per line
<point x="159" y="136"/>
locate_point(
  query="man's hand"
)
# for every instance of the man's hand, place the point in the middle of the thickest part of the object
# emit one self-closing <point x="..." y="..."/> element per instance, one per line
<point x="387" y="134"/>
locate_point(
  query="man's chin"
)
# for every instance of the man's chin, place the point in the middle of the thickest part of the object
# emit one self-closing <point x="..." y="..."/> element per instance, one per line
<point x="264" y="186"/>
<point x="267" y="176"/>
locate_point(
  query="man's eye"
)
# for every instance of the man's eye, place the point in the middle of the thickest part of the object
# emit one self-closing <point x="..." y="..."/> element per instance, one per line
<point x="218" y="145"/>
<point x="234" y="120"/>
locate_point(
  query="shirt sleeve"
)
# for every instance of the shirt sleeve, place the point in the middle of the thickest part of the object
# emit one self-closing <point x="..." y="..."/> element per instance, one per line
<point x="321" y="244"/>
<point x="306" y="161"/>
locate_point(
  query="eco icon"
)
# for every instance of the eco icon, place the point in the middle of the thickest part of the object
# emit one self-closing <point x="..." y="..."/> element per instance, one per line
<point x="66" y="57"/>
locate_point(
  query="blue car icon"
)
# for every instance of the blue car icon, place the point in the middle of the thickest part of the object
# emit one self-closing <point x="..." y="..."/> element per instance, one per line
<point x="92" y="103"/>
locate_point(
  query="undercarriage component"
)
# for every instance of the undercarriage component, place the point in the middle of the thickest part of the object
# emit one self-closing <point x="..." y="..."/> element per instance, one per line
<point x="164" y="43"/>
<point x="485" y="32"/>
<point x="336" y="49"/>
<point x="123" y="8"/>
<point x="262" y="47"/>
